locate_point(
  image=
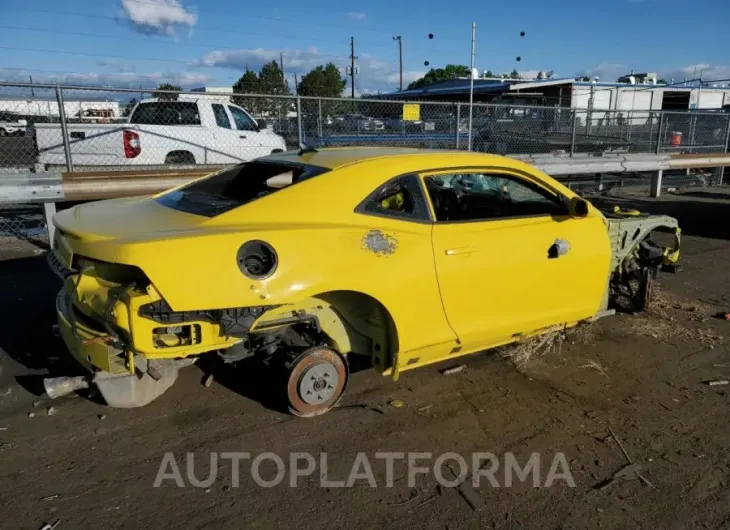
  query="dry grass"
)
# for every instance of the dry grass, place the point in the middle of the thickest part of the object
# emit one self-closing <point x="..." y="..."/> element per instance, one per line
<point x="595" y="365"/>
<point x="550" y="342"/>
<point x="672" y="319"/>
<point x="523" y="351"/>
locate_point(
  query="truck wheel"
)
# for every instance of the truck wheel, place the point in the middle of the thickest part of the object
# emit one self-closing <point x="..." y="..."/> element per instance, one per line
<point x="180" y="158"/>
<point x="315" y="381"/>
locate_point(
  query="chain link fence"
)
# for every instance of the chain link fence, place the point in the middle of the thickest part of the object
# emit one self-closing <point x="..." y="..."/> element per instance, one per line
<point x="87" y="129"/>
<point x="91" y="129"/>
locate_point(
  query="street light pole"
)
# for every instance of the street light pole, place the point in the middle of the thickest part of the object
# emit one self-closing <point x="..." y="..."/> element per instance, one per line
<point x="471" y="79"/>
<point x="400" y="59"/>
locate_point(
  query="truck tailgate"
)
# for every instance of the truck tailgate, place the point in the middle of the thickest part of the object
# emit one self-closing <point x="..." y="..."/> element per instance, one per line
<point x="90" y="144"/>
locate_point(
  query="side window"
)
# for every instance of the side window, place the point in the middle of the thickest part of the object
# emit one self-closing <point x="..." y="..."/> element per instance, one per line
<point x="166" y="113"/>
<point x="402" y="198"/>
<point x="221" y="118"/>
<point x="243" y="121"/>
<point x="483" y="196"/>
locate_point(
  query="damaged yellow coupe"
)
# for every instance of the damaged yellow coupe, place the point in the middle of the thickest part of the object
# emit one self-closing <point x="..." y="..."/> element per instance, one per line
<point x="307" y="259"/>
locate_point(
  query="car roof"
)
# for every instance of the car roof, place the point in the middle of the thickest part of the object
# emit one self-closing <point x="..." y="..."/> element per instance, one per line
<point x="333" y="158"/>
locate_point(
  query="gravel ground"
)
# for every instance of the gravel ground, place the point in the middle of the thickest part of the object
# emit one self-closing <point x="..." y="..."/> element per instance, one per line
<point x="644" y="377"/>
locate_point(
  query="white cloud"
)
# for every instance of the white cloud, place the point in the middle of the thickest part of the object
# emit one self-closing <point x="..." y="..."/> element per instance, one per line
<point x="159" y="17"/>
<point x="606" y="71"/>
<point x="357" y="15"/>
<point x="375" y="74"/>
<point x="116" y="80"/>
<point x="708" y="72"/>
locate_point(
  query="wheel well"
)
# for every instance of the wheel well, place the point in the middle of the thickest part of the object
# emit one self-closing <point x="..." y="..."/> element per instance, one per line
<point x="179" y="156"/>
<point x="369" y="325"/>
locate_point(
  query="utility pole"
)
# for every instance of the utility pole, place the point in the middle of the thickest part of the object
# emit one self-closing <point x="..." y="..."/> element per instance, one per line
<point x="32" y="92"/>
<point x="281" y="63"/>
<point x="296" y="84"/>
<point x="352" y="66"/>
<point x="400" y="59"/>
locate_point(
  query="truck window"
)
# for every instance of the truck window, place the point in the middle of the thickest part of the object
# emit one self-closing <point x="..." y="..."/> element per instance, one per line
<point x="221" y="118"/>
<point x="243" y="120"/>
<point x="166" y="113"/>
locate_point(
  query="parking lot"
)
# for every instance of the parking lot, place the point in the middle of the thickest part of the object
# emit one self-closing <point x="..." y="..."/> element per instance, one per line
<point x="642" y="376"/>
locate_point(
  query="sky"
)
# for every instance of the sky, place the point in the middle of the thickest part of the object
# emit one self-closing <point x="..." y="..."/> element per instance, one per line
<point x="133" y="43"/>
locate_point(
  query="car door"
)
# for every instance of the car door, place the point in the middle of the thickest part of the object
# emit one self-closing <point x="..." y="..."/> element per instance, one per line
<point x="227" y="146"/>
<point x="509" y="257"/>
<point x="253" y="143"/>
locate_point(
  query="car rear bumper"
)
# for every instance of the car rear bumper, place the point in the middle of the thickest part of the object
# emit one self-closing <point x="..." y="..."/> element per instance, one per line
<point x="90" y="347"/>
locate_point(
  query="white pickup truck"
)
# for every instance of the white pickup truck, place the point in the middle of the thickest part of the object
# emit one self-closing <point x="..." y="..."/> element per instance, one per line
<point x="163" y="131"/>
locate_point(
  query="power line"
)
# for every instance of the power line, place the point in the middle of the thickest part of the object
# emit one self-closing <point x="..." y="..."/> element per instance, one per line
<point x="189" y="45"/>
<point x="203" y="28"/>
<point x="263" y="17"/>
<point x="163" y="77"/>
<point x="81" y="54"/>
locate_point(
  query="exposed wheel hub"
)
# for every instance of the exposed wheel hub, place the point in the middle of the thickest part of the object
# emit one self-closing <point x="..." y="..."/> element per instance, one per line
<point x="318" y="383"/>
<point x="316" y="379"/>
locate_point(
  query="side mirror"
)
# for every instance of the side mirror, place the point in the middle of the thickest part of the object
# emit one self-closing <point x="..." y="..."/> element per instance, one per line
<point x="261" y="123"/>
<point x="579" y="207"/>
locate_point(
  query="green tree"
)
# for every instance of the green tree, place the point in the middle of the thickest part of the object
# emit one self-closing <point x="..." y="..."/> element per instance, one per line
<point x="489" y="73"/>
<point x="272" y="81"/>
<point x="514" y="74"/>
<point x="326" y="82"/>
<point x="248" y="83"/>
<point x="661" y="82"/>
<point x="437" y="75"/>
<point x="323" y="81"/>
<point x="166" y="86"/>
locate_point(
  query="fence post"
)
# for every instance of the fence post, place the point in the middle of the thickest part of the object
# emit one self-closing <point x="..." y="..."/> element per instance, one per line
<point x="299" y="120"/>
<point x="458" y="122"/>
<point x="49" y="210"/>
<point x="727" y="144"/>
<point x="319" y="123"/>
<point x="659" y="136"/>
<point x="64" y="128"/>
<point x="656" y="183"/>
<point x="572" y="134"/>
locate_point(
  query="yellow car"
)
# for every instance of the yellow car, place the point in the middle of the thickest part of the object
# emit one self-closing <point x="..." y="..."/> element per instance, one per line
<point x="307" y="259"/>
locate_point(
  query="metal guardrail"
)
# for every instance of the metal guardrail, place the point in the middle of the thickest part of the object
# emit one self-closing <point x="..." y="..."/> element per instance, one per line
<point x="22" y="194"/>
<point x="59" y="186"/>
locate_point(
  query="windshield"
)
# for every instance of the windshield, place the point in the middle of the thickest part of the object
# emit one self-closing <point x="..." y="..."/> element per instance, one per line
<point x="237" y="186"/>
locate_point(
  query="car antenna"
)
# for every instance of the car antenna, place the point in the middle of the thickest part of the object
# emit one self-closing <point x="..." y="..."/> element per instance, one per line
<point x="304" y="148"/>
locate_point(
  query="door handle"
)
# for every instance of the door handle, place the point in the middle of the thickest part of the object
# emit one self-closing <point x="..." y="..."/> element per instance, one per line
<point x="459" y="251"/>
<point x="243" y="136"/>
<point x="560" y="247"/>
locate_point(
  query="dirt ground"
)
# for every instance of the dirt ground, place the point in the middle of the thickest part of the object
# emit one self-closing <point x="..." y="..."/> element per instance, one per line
<point x="643" y="376"/>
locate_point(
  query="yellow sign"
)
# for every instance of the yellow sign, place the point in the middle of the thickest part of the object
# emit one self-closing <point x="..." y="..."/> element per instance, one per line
<point x="411" y="112"/>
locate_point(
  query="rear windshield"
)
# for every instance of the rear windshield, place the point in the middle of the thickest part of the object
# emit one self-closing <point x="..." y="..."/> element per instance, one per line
<point x="166" y="113"/>
<point x="237" y="186"/>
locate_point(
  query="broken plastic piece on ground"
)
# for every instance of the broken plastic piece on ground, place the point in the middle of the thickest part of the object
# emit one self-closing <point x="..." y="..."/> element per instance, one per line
<point x="453" y="369"/>
<point x="396" y="403"/>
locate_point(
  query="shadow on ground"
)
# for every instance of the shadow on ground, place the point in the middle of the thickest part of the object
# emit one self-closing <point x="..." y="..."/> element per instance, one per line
<point x="27" y="316"/>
